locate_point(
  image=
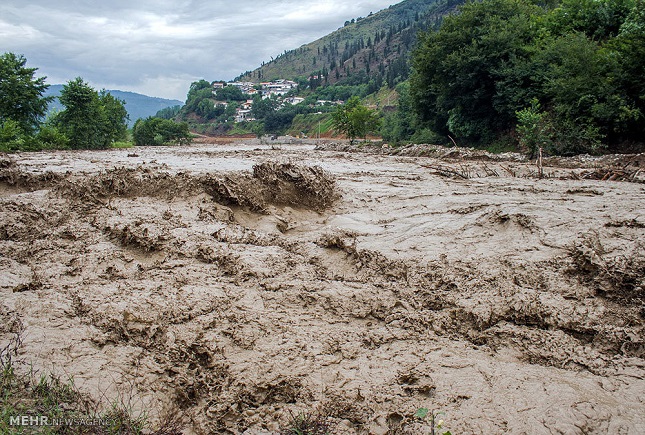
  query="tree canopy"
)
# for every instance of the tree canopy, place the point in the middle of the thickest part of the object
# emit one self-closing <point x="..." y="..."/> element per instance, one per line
<point x="90" y="119"/>
<point x="354" y="119"/>
<point x="582" y="62"/>
<point x="21" y="94"/>
<point x="157" y="131"/>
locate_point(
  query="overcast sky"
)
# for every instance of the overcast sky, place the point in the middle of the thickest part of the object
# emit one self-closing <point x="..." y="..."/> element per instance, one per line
<point x="159" y="47"/>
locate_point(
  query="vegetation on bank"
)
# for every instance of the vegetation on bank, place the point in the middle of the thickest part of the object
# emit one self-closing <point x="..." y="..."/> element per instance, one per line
<point x="158" y="131"/>
<point x="89" y="119"/>
<point x="565" y="76"/>
<point x="44" y="403"/>
<point x="355" y="120"/>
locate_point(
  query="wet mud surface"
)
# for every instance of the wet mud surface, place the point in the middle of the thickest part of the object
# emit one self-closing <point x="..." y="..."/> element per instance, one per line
<point x="240" y="284"/>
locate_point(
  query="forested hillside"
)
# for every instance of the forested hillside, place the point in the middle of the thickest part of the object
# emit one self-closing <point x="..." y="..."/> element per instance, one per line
<point x="372" y="49"/>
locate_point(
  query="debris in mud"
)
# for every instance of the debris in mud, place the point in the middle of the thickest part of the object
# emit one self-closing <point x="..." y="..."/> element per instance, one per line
<point x="447" y="172"/>
<point x="616" y="276"/>
<point x="498" y="217"/>
<point x="422" y="150"/>
<point x="627" y="167"/>
<point x="630" y="223"/>
<point x="342" y="240"/>
<point x="305" y="423"/>
<point x="146" y="236"/>
<point x="293" y="184"/>
<point x="610" y="174"/>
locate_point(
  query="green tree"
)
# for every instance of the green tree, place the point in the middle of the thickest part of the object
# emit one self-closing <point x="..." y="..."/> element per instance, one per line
<point x="168" y="112"/>
<point x="197" y="88"/>
<point x="533" y="129"/>
<point x="629" y="46"/>
<point x="90" y="120"/>
<point x="12" y="137"/>
<point x="579" y="83"/>
<point x="355" y="120"/>
<point x="157" y="131"/>
<point x="200" y="100"/>
<point x="263" y="107"/>
<point x="598" y="20"/>
<point x="81" y="119"/>
<point x="400" y="125"/>
<point x="230" y="93"/>
<point x="21" y="94"/>
<point x="453" y="85"/>
<point x="582" y="61"/>
<point x="115" y="116"/>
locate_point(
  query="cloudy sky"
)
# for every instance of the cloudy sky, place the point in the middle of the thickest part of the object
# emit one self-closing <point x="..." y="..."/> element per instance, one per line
<point x="159" y="47"/>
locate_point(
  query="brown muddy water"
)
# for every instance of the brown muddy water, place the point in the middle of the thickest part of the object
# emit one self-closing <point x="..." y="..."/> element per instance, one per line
<point x="240" y="284"/>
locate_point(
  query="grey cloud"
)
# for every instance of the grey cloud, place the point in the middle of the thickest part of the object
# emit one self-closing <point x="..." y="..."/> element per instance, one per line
<point x="159" y="47"/>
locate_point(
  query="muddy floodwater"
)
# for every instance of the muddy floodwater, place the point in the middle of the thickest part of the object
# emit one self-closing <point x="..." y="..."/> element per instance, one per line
<point x="237" y="285"/>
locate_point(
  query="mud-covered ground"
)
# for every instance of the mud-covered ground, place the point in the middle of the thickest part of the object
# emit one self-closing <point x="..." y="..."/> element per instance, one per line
<point x="241" y="284"/>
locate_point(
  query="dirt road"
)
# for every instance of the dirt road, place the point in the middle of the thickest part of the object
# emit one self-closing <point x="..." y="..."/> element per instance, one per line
<point x="239" y="283"/>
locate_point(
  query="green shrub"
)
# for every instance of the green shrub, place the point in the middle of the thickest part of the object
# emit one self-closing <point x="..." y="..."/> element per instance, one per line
<point x="533" y="129"/>
<point x="50" y="137"/>
<point x="556" y="136"/>
<point x="157" y="131"/>
<point x="12" y="137"/>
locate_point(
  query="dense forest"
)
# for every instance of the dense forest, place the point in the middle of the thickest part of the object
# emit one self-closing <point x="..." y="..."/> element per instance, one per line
<point x="568" y="77"/>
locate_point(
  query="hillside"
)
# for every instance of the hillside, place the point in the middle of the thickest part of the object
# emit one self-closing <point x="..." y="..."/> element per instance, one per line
<point x="370" y="48"/>
<point x="137" y="105"/>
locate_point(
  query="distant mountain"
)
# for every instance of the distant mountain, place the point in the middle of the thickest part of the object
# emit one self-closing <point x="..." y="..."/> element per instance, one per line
<point x="137" y="105"/>
<point x="374" y="48"/>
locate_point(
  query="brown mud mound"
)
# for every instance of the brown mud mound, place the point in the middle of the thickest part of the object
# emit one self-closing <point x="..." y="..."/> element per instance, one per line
<point x="289" y="183"/>
<point x="253" y="302"/>
<point x="279" y="184"/>
<point x="12" y="178"/>
<point x="270" y="183"/>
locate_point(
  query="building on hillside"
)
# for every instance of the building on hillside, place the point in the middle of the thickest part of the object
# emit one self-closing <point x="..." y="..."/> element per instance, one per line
<point x="247" y="105"/>
<point x="329" y="103"/>
<point x="244" y="112"/>
<point x="245" y="87"/>
<point x="278" y="87"/>
<point x="294" y="100"/>
<point x="242" y="115"/>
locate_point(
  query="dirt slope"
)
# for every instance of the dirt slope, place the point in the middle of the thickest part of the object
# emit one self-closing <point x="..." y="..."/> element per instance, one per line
<point x="238" y="284"/>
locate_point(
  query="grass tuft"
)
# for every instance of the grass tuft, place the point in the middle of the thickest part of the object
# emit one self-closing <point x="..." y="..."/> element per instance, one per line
<point x="307" y="424"/>
<point x="60" y="407"/>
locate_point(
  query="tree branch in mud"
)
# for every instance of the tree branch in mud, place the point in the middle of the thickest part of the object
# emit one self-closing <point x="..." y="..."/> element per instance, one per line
<point x="446" y="172"/>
